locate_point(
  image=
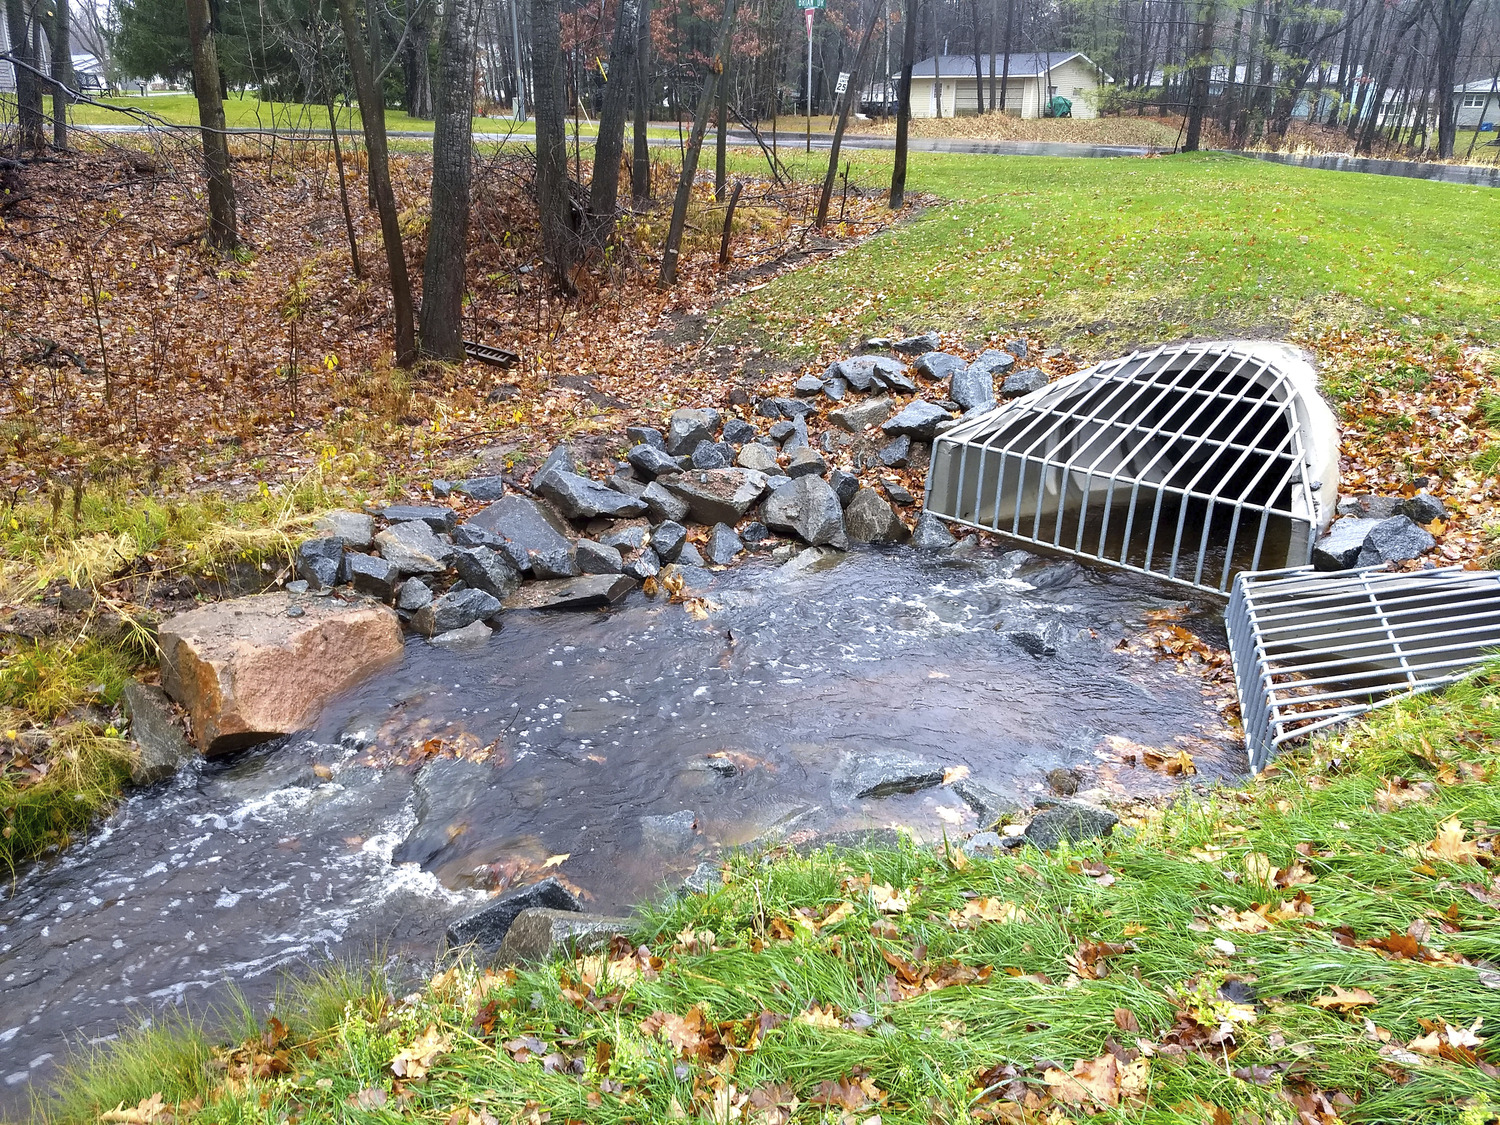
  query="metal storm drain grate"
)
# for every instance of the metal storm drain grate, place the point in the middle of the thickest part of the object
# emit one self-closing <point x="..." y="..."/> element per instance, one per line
<point x="1191" y="463"/>
<point x="1312" y="649"/>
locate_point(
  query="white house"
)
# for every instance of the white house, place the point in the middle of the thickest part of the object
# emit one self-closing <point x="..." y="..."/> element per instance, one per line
<point x="1478" y="102"/>
<point x="949" y="79"/>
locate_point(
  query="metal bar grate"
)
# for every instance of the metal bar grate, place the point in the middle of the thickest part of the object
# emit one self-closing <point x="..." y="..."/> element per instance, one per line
<point x="1191" y="463"/>
<point x="1312" y="649"/>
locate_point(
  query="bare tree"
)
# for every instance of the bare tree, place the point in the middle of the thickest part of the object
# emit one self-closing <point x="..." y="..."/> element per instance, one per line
<point x="604" y="188"/>
<point x="29" y="118"/>
<point x="452" y="169"/>
<point x="1206" y="16"/>
<point x="903" y="106"/>
<point x="640" y="168"/>
<point x="63" y="82"/>
<point x="1449" y="17"/>
<point x="549" y="107"/>
<point x="861" y="60"/>
<point x="208" y="85"/>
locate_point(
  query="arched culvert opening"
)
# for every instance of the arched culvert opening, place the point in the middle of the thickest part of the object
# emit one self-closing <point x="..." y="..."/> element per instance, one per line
<point x="1191" y="463"/>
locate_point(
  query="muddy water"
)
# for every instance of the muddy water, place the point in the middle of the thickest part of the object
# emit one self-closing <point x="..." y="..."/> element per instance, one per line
<point x="468" y="769"/>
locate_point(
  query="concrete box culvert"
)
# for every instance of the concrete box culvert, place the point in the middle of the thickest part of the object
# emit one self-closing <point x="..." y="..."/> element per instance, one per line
<point x="1313" y="649"/>
<point x="1190" y="463"/>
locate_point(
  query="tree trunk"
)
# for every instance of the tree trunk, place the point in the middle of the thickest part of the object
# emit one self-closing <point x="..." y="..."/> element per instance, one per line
<point x="372" y="115"/>
<point x="1449" y="16"/>
<point x="1010" y="23"/>
<point x="29" y="118"/>
<point x="903" y="106"/>
<point x="549" y="108"/>
<point x="721" y="141"/>
<point x="62" y="72"/>
<point x="1201" y="64"/>
<point x="338" y="164"/>
<point x="441" y="334"/>
<point x="861" y="60"/>
<point x="604" y="188"/>
<point x="208" y="86"/>
<point x="694" y="146"/>
<point x="978" y="73"/>
<point x="994" y="20"/>
<point x="416" y="68"/>
<point x="640" y="168"/>
<point x="1377" y="90"/>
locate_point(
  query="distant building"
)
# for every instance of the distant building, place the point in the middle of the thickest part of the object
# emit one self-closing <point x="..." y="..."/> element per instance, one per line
<point x="1477" y="102"/>
<point x="7" y="72"/>
<point x="1071" y="74"/>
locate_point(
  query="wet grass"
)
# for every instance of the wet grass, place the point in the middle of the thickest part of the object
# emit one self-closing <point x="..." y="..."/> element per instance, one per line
<point x="1321" y="941"/>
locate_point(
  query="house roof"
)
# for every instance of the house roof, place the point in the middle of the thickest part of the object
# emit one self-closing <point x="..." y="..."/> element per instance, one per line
<point x="1028" y="65"/>
<point x="1482" y="86"/>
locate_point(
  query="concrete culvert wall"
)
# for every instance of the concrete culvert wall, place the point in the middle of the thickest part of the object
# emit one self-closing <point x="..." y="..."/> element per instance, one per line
<point x="1191" y="463"/>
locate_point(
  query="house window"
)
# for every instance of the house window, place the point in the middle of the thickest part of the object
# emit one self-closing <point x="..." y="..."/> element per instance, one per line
<point x="1474" y="101"/>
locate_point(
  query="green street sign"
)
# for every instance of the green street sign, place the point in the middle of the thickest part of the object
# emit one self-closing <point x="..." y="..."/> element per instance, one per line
<point x="813" y="4"/>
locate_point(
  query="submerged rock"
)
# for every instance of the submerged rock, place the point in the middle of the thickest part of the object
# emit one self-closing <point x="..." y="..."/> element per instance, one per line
<point x="590" y="591"/>
<point x="538" y="933"/>
<point x="161" y="747"/>
<point x="487" y="926"/>
<point x="246" y="671"/>
<point x="1073" y="821"/>
<point x="671" y="832"/>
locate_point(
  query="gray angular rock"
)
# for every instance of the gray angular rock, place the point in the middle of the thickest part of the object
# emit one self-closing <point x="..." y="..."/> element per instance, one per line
<point x="1423" y="508"/>
<point x="590" y="591"/>
<point x="885" y="774"/>
<point x="754" y="532"/>
<point x="896" y="492"/>
<point x="652" y="462"/>
<point x="539" y="934"/>
<point x="723" y="545"/>
<point x="434" y="516"/>
<point x="581" y="498"/>
<point x="369" y="575"/>
<point x="895" y="454"/>
<point x="596" y="558"/>
<point x="356" y="529"/>
<point x="794" y="408"/>
<point x="869" y="518"/>
<point x="1016" y="348"/>
<point x="689" y="557"/>
<point x="972" y="388"/>
<point x="560" y="460"/>
<point x="844" y="485"/>
<point x="809" y="509"/>
<point x="642" y="564"/>
<point x="663" y="505"/>
<point x="468" y="535"/>
<point x="1074" y="821"/>
<point x="993" y="362"/>
<point x="807" y="386"/>
<point x="1340" y="548"/>
<point x="413" y="595"/>
<point x="627" y="537"/>
<point x="918" y="420"/>
<point x="442" y="489"/>
<point x="487" y="570"/>
<point x="835" y="388"/>
<point x="1023" y="382"/>
<point x="671" y="832"/>
<point x="687" y="427"/>
<point x="485" y="489"/>
<point x="718" y="495"/>
<point x="781" y="431"/>
<point x="865" y="372"/>
<point x="805" y="461"/>
<point x="737" y="431"/>
<point x="297" y="587"/>
<point x="797" y="439"/>
<point x="487" y="926"/>
<point x="472" y="634"/>
<point x="454" y="610"/>
<point x="161" y="746"/>
<point x="917" y="345"/>
<point x="759" y="457"/>
<point x="1367" y="507"/>
<point x="1394" y="540"/>
<point x="320" y="562"/>
<point x="989" y="805"/>
<point x="777" y="481"/>
<point x="413" y="548"/>
<point x="625" y="480"/>
<point x="667" y="539"/>
<point x="523" y="529"/>
<point x="708" y="455"/>
<point x="768" y="408"/>
<point x="857" y="416"/>
<point x="931" y="534"/>
<point x="646" y="435"/>
<point x="705" y="879"/>
<point x="937" y="365"/>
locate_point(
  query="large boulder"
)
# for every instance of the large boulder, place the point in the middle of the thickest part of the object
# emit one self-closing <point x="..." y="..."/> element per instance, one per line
<point x="538" y="933"/>
<point x="869" y="518"/>
<point x="920" y="420"/>
<point x="534" y="539"/>
<point x="1394" y="540"/>
<point x="972" y="388"/>
<point x="253" y="668"/>
<point x="939" y="365"/>
<point x="487" y="926"/>
<point x="858" y="416"/>
<point x="1340" y="548"/>
<point x="590" y="591"/>
<point x="580" y="498"/>
<point x="456" y="609"/>
<point x="412" y="548"/>
<point x="809" y="509"/>
<point x="718" y="495"/>
<point x="686" y="428"/>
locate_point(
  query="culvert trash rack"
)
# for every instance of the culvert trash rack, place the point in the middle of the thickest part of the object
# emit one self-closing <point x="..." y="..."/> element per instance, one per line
<point x="1190" y="463"/>
<point x="1312" y="649"/>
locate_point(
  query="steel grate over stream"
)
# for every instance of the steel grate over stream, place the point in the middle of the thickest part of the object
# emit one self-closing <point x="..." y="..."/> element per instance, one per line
<point x="1190" y="463"/>
<point x="1313" y="649"/>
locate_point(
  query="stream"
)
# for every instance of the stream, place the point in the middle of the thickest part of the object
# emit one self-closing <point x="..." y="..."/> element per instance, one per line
<point x="636" y="743"/>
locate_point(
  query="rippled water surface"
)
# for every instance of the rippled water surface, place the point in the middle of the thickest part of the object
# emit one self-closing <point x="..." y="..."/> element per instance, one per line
<point x="465" y="770"/>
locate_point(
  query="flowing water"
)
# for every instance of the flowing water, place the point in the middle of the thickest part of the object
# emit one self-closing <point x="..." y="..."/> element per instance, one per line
<point x="465" y="770"/>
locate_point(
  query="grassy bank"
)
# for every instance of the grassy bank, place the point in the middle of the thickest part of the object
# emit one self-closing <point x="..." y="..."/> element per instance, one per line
<point x="1317" y="947"/>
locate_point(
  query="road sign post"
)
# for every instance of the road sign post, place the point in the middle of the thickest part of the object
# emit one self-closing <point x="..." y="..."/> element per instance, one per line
<point x="809" y="6"/>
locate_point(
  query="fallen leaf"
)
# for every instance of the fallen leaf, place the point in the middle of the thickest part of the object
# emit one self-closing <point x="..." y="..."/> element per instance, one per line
<point x="143" y="1112"/>
<point x="557" y="860"/>
<point x="416" y="1059"/>
<point x="887" y="900"/>
<point x="1345" y="1000"/>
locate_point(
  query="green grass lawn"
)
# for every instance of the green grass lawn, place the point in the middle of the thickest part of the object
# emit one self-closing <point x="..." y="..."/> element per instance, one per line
<point x="1089" y="252"/>
<point x="1323" y="940"/>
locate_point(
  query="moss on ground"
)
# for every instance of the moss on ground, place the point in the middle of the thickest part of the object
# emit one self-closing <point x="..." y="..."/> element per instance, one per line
<point x="1318" y="946"/>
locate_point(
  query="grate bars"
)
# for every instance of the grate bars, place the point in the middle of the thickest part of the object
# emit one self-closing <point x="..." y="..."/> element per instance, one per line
<point x="1190" y="463"/>
<point x="1312" y="649"/>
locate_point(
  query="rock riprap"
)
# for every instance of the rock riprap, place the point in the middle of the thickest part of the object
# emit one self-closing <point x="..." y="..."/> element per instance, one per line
<point x="253" y="668"/>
